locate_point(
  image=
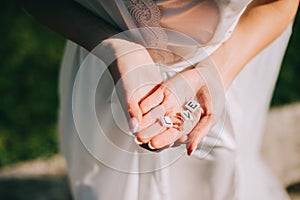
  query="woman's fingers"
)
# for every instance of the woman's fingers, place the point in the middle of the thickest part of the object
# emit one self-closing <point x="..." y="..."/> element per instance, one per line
<point x="162" y="95"/>
<point x="152" y="116"/>
<point x="204" y="97"/>
<point x="134" y="110"/>
<point x="163" y="102"/>
<point x="203" y="126"/>
<point x="160" y="135"/>
<point x="146" y="134"/>
<point x="182" y="125"/>
<point x="133" y="105"/>
<point x="152" y="100"/>
<point x="182" y="140"/>
<point x="172" y="135"/>
<point x="164" y="139"/>
<point x="198" y="133"/>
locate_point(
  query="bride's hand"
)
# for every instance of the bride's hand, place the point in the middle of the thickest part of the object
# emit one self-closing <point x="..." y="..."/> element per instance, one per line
<point x="135" y="75"/>
<point x="169" y="100"/>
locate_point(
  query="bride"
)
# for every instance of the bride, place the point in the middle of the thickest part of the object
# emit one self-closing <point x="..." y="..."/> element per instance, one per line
<point x="180" y="112"/>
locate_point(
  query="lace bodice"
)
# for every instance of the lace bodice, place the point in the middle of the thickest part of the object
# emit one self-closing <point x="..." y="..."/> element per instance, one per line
<point x="147" y="15"/>
<point x="178" y="15"/>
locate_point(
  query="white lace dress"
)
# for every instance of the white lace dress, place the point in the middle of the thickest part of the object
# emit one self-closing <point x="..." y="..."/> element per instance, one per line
<point x="104" y="163"/>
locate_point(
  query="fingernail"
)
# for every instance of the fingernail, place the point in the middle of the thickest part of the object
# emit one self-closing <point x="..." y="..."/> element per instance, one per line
<point x="191" y="150"/>
<point x="150" y="145"/>
<point x="137" y="141"/>
<point x="133" y="125"/>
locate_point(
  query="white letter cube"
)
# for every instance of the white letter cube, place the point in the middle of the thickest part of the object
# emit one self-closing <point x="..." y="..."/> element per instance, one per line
<point x="192" y="105"/>
<point x="166" y="121"/>
<point x="187" y="115"/>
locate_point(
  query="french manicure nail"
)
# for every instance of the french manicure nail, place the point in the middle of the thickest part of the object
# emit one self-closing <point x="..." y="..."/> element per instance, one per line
<point x="190" y="150"/>
<point x="133" y="125"/>
<point x="150" y="145"/>
<point x="137" y="141"/>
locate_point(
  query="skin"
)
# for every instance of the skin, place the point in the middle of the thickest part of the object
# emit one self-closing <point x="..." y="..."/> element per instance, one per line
<point x="256" y="30"/>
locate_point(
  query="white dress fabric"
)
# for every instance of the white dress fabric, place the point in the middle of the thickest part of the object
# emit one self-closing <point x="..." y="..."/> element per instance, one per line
<point x="233" y="169"/>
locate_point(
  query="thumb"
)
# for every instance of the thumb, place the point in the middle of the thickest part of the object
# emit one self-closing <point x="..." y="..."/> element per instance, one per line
<point x="198" y="133"/>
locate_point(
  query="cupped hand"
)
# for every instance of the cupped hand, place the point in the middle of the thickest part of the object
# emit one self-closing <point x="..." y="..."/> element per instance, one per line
<point x="169" y="99"/>
<point x="135" y="75"/>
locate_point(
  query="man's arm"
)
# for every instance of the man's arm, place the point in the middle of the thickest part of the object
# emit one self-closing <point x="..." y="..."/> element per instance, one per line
<point x="70" y="19"/>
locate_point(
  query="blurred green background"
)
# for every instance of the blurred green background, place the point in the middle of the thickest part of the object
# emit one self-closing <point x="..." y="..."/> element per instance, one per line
<point x="30" y="59"/>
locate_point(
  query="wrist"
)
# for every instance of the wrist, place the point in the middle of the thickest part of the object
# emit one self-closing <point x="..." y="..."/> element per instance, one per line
<point x="119" y="46"/>
<point x="121" y="54"/>
<point x="194" y="79"/>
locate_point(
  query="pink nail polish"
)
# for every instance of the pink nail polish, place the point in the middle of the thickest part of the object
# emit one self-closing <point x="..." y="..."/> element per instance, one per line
<point x="190" y="150"/>
<point x="133" y="125"/>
